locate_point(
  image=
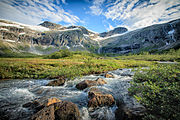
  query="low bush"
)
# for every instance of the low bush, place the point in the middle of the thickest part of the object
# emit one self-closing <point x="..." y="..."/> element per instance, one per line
<point x="59" y="54"/>
<point x="158" y="89"/>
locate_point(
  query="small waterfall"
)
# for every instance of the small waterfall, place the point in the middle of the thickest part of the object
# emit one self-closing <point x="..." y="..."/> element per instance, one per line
<point x="171" y="32"/>
<point x="100" y="47"/>
<point x="33" y="49"/>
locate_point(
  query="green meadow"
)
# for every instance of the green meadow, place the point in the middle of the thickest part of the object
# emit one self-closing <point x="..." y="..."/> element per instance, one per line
<point x="157" y="88"/>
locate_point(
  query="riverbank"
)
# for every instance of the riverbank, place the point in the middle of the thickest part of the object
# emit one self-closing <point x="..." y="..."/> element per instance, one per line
<point x="39" y="68"/>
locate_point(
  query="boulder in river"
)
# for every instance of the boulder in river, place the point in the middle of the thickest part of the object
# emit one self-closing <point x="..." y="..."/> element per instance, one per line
<point x="58" y="82"/>
<point x="56" y="110"/>
<point x="40" y="103"/>
<point x="66" y="111"/>
<point x="108" y="75"/>
<point x="46" y="113"/>
<point x="127" y="113"/>
<point x="88" y="83"/>
<point x="99" y="99"/>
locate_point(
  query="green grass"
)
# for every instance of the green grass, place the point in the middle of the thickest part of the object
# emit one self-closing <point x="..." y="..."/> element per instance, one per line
<point x="78" y="64"/>
<point x="171" y="55"/>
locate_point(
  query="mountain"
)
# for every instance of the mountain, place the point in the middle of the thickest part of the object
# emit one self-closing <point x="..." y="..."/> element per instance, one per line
<point x="51" y="25"/>
<point x="118" y="30"/>
<point x="153" y="38"/>
<point x="48" y="37"/>
<point x="44" y="38"/>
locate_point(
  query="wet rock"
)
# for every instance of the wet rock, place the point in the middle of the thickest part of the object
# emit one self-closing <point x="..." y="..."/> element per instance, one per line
<point x="39" y="104"/>
<point x="66" y="111"/>
<point x="46" y="113"/>
<point x="125" y="113"/>
<point x="99" y="99"/>
<point x="88" y="83"/>
<point x="108" y="75"/>
<point x="55" y="109"/>
<point x="58" y="82"/>
<point x="52" y="101"/>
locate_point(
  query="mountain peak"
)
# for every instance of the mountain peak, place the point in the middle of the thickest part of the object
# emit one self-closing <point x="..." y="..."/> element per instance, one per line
<point x="118" y="30"/>
<point x="51" y="25"/>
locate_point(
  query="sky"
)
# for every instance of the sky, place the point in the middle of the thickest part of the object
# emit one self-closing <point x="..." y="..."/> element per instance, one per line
<point x="95" y="15"/>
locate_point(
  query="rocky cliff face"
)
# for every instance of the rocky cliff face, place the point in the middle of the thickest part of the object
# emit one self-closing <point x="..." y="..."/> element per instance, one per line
<point x="156" y="37"/>
<point x="49" y="37"/>
<point x="52" y="25"/>
<point x="118" y="30"/>
<point x="45" y="38"/>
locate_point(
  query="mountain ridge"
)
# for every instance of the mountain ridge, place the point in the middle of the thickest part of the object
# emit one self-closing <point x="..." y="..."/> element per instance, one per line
<point x="48" y="37"/>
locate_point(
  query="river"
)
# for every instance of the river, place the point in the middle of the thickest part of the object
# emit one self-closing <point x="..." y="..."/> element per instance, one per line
<point x="15" y="93"/>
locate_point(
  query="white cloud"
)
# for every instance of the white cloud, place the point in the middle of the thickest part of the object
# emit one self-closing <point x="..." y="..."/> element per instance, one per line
<point x="35" y="11"/>
<point x="137" y="16"/>
<point x="110" y="27"/>
<point x="96" y="8"/>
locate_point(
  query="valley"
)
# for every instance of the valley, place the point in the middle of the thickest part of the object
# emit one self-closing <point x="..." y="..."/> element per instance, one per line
<point x="52" y="72"/>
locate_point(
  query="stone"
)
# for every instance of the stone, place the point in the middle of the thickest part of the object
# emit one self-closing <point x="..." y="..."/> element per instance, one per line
<point x="46" y="113"/>
<point x="66" y="111"/>
<point x="55" y="109"/>
<point x="39" y="104"/>
<point x="100" y="81"/>
<point x="58" y="82"/>
<point x="88" y="83"/>
<point x="52" y="101"/>
<point x="125" y="113"/>
<point x="108" y="75"/>
<point x="99" y="99"/>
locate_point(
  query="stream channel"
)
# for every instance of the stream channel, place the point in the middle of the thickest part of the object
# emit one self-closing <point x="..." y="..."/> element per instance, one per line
<point x="15" y="93"/>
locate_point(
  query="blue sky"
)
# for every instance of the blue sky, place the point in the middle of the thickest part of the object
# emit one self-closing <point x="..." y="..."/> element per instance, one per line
<point x="96" y="15"/>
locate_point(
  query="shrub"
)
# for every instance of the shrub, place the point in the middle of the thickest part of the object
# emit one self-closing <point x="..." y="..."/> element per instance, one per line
<point x="158" y="89"/>
<point x="59" y="54"/>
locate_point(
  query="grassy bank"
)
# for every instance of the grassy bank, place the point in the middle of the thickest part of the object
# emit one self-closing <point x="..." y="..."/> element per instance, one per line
<point x="171" y="55"/>
<point x="73" y="64"/>
<point x="77" y="64"/>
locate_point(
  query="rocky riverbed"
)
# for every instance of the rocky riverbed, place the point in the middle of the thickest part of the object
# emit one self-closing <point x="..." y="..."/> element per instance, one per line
<point x="92" y="97"/>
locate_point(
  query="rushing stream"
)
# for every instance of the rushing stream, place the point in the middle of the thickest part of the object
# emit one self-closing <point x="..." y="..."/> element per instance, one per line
<point x="15" y="93"/>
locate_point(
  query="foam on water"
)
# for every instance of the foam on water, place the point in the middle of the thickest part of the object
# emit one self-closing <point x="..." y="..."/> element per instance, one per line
<point x="18" y="92"/>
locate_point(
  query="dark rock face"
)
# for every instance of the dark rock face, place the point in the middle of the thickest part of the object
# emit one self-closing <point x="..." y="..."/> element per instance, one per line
<point x="66" y="111"/>
<point x="118" y="30"/>
<point x="98" y="99"/>
<point x="58" y="82"/>
<point x="124" y="113"/>
<point x="54" y="109"/>
<point x="88" y="83"/>
<point x="46" y="113"/>
<point x="51" y="25"/>
<point x="155" y="37"/>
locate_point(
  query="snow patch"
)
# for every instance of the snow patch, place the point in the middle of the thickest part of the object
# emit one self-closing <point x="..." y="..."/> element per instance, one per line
<point x="23" y="33"/>
<point x="78" y="45"/>
<point x="69" y="29"/>
<point x="12" y="25"/>
<point x="86" y="35"/>
<point x="38" y="28"/>
<point x="115" y="35"/>
<point x="9" y="40"/>
<point x="4" y="29"/>
<point x="67" y="47"/>
<point x="171" y="32"/>
<point x="21" y="25"/>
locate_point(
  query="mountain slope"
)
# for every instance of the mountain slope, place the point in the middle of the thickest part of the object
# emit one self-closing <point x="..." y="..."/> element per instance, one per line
<point x="155" y="37"/>
<point x="45" y="39"/>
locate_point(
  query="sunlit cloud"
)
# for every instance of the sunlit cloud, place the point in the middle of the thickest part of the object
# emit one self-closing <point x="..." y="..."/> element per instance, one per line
<point x="137" y="13"/>
<point x="36" y="11"/>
